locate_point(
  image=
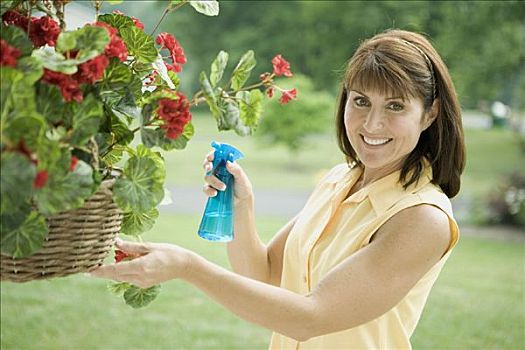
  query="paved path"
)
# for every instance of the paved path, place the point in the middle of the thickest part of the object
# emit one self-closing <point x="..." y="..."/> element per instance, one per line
<point x="287" y="203"/>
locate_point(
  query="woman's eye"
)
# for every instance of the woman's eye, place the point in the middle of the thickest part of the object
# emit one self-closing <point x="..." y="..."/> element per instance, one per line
<point x="360" y="102"/>
<point x="396" y="107"/>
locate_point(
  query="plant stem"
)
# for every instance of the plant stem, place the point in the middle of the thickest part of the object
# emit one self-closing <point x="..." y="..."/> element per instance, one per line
<point x="166" y="11"/>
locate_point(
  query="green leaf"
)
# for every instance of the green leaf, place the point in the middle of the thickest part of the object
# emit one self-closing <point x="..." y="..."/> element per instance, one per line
<point x="55" y="61"/>
<point x="115" y="2"/>
<point x="251" y="108"/>
<point x="114" y="156"/>
<point x="135" y="223"/>
<point x="139" y="44"/>
<point x="14" y="218"/>
<point x="139" y="297"/>
<point x="85" y="120"/>
<point x="31" y="68"/>
<point x="90" y="41"/>
<point x="50" y="103"/>
<point x="27" y="239"/>
<point x="242" y="72"/>
<point x="123" y="134"/>
<point x="217" y="67"/>
<point x="116" y="21"/>
<point x="209" y="95"/>
<point x="16" y="37"/>
<point x="207" y="7"/>
<point x="65" y="193"/>
<point x="10" y="77"/>
<point x="160" y="67"/>
<point x="157" y="137"/>
<point x="118" y="288"/>
<point x="16" y="181"/>
<point x="140" y="189"/>
<point x="29" y="127"/>
<point x="5" y="5"/>
<point x="231" y="115"/>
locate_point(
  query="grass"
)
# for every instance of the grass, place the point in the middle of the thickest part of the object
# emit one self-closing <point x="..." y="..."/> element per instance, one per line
<point x="476" y="304"/>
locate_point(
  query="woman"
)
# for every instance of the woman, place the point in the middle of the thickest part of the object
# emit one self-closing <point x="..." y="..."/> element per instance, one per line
<point x="354" y="268"/>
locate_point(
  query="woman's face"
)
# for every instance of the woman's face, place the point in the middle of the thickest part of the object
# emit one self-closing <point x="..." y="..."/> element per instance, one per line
<point x="383" y="129"/>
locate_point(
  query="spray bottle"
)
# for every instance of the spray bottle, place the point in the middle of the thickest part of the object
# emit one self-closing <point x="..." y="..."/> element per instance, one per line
<point x="217" y="220"/>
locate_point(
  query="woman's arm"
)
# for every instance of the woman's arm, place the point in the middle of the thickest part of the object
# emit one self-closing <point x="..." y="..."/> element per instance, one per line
<point x="361" y="288"/>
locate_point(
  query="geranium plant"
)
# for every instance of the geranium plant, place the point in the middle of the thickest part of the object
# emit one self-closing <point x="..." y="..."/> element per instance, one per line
<point x="72" y="101"/>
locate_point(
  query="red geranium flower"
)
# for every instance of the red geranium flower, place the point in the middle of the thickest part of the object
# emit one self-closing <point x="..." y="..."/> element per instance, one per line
<point x="40" y="179"/>
<point x="281" y="66"/>
<point x="288" y="95"/>
<point x="116" y="47"/>
<point x="69" y="86"/>
<point x="175" y="113"/>
<point x="168" y="41"/>
<point x="8" y="54"/>
<point x="13" y="17"/>
<point x="44" y="30"/>
<point x="91" y="71"/>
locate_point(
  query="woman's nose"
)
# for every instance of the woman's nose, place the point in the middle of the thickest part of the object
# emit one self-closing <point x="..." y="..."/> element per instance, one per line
<point x="374" y="121"/>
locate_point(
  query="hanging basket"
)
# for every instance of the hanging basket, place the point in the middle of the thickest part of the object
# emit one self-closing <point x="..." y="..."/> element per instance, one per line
<point x="78" y="241"/>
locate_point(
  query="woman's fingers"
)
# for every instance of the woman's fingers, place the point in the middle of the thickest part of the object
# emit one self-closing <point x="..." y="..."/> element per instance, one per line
<point x="132" y="247"/>
<point x="209" y="191"/>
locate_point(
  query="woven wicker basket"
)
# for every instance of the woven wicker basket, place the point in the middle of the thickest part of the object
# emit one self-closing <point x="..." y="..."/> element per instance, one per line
<point x="78" y="241"/>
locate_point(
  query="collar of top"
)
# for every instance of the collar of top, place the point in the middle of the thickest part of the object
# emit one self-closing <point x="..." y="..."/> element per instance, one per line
<point x="383" y="193"/>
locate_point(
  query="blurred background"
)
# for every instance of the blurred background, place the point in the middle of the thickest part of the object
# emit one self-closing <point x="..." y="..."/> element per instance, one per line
<point x="479" y="300"/>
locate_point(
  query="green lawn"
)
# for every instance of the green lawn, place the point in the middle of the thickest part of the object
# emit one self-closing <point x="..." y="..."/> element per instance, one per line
<point x="476" y="304"/>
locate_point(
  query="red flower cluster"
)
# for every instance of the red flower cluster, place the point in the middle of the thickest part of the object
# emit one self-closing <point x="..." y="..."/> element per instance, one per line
<point x="69" y="86"/>
<point x="42" y="31"/>
<point x="168" y="41"/>
<point x="91" y="71"/>
<point x="116" y="47"/>
<point x="88" y="72"/>
<point x="281" y="67"/>
<point x="175" y="113"/>
<point x="8" y="54"/>
<point x="13" y="17"/>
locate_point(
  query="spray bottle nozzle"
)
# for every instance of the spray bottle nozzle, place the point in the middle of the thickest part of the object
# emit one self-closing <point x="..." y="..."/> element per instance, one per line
<point x="224" y="153"/>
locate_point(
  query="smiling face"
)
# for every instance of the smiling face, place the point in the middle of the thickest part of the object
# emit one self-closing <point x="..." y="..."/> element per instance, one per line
<point x="383" y="129"/>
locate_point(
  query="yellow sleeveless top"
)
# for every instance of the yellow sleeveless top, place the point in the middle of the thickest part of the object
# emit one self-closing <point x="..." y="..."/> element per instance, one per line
<point x="330" y="228"/>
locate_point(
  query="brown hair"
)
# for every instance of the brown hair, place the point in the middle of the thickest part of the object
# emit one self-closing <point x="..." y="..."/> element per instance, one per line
<point x="406" y="64"/>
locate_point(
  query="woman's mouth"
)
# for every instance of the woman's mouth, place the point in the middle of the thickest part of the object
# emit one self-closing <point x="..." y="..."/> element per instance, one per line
<point x="375" y="141"/>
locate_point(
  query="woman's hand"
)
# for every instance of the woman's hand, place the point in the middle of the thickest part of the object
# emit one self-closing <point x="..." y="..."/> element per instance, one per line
<point x="158" y="262"/>
<point x="242" y="186"/>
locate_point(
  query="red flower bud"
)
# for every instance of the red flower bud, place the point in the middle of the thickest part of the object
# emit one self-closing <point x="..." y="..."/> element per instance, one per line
<point x="73" y="164"/>
<point x="269" y="92"/>
<point x="40" y="179"/>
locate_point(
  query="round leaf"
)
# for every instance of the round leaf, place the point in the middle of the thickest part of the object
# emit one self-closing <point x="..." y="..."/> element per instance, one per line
<point x="207" y="7"/>
<point x="27" y="239"/>
<point x="16" y="181"/>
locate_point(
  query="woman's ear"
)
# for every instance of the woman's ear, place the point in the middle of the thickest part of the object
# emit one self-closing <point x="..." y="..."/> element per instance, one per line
<point x="431" y="115"/>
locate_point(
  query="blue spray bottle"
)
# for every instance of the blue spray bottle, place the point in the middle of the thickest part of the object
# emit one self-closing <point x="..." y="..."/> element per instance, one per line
<point x="217" y="220"/>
